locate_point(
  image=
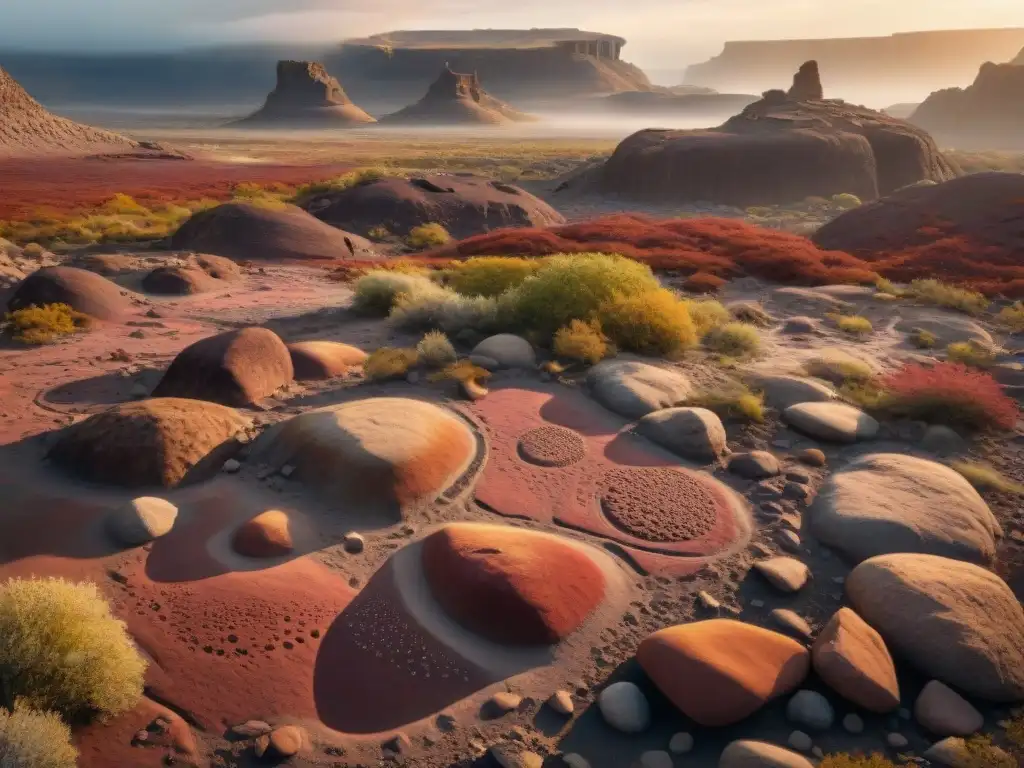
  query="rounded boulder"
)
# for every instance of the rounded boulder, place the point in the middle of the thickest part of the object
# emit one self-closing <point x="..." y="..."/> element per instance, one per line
<point x="141" y="520"/>
<point x="633" y="389"/>
<point x="178" y="281"/>
<point x="264" y="536"/>
<point x="509" y="585"/>
<point x="833" y="422"/>
<point x="83" y="291"/>
<point x="693" y="433"/>
<point x="508" y="351"/>
<point x="625" y="708"/>
<point x="319" y="360"/>
<point x="760" y="754"/>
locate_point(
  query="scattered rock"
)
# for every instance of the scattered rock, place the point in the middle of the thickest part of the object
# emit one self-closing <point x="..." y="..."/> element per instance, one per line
<point x="681" y="744"/>
<point x="634" y="389"/>
<point x="810" y="709"/>
<point x="282" y="742"/>
<point x="852" y="659"/>
<point x="952" y="620"/>
<point x="141" y="521"/>
<point x="508" y="351"/>
<point x="945" y="712"/>
<point x="758" y="754"/>
<point x="83" y="291"/>
<point x="264" y="536"/>
<point x="788" y="540"/>
<point x="853" y="723"/>
<point x="897" y="740"/>
<point x="250" y="729"/>
<point x="354" y="543"/>
<point x="954" y="753"/>
<point x="503" y="702"/>
<point x="561" y="703"/>
<point x="655" y="759"/>
<point x="231" y="466"/>
<point x="781" y="392"/>
<point x="747" y="666"/>
<point x="943" y="441"/>
<point x="625" y="708"/>
<point x="756" y="465"/>
<point x="573" y="760"/>
<point x="320" y="360"/>
<point x="515" y="756"/>
<point x="800" y="325"/>
<point x="835" y="364"/>
<point x="792" y="622"/>
<point x="693" y="433"/>
<point x="786" y="574"/>
<point x="800" y="741"/>
<point x="812" y="457"/>
<point x="834" y="422"/>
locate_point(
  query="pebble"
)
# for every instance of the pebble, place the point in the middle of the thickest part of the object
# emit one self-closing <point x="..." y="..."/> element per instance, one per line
<point x="503" y="702"/>
<point x="625" y="708"/>
<point x="139" y="390"/>
<point x="812" y="457"/>
<point x="896" y="740"/>
<point x="398" y="744"/>
<point x="680" y="744"/>
<point x="250" y="729"/>
<point x="231" y="466"/>
<point x="798" y="476"/>
<point x="708" y="601"/>
<point x="788" y="540"/>
<point x="797" y="492"/>
<point x="810" y="709"/>
<point x="800" y="741"/>
<point x="757" y="603"/>
<point x="853" y="723"/>
<point x="792" y="621"/>
<point x="573" y="760"/>
<point x="561" y="702"/>
<point x="514" y="756"/>
<point x="818" y="752"/>
<point x="656" y="759"/>
<point x="354" y="543"/>
<point x="287" y="471"/>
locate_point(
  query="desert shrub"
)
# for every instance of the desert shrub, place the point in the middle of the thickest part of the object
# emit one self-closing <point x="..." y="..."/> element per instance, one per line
<point x="389" y="363"/>
<point x="986" y="478"/>
<point x="737" y="403"/>
<point x="568" y="288"/>
<point x="839" y="371"/>
<point x="121" y="203"/>
<point x="734" y="340"/>
<point x="378" y="233"/>
<point x="923" y="339"/>
<point x="581" y="341"/>
<point x="431" y="306"/>
<point x="33" y="250"/>
<point x="945" y="295"/>
<point x="435" y="350"/>
<point x="31" y="739"/>
<point x="703" y="282"/>
<point x="464" y="370"/>
<point x="377" y="292"/>
<point x="980" y="752"/>
<point x="707" y="314"/>
<point x="490" y="275"/>
<point x="346" y="181"/>
<point x="430" y="235"/>
<point x="846" y="201"/>
<point x="651" y="323"/>
<point x="847" y="760"/>
<point x="887" y="287"/>
<point x="45" y="324"/>
<point x="868" y="393"/>
<point x="1012" y="317"/>
<point x="62" y="650"/>
<point x="749" y="312"/>
<point x="971" y="353"/>
<point x="950" y="393"/>
<point x="854" y="325"/>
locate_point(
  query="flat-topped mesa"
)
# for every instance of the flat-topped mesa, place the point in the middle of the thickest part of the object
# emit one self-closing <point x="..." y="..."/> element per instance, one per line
<point x="457" y="98"/>
<point x="806" y="83"/>
<point x="307" y="94"/>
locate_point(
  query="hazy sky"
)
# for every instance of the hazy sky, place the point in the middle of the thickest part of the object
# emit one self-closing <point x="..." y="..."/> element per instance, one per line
<point x="661" y="33"/>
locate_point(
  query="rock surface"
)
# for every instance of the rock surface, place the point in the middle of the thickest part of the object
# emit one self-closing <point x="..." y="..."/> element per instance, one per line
<point x="759" y="754"/>
<point x="720" y="671"/>
<point x="509" y="585"/>
<point x="853" y="659"/>
<point x="781" y="391"/>
<point x="633" y="389"/>
<point x="834" y="422"/>
<point x="885" y="502"/>
<point x="264" y="536"/>
<point x="806" y="83"/>
<point x="318" y="360"/>
<point x="952" y="620"/>
<point x="83" y="291"/>
<point x="945" y="712"/>
<point x="693" y="433"/>
<point x="306" y="96"/>
<point x="141" y="520"/>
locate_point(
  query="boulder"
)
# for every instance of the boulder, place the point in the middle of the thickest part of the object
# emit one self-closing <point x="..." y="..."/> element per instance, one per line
<point x="318" y="360"/>
<point x="811" y="710"/>
<point x="380" y="456"/>
<point x="236" y="368"/>
<point x="634" y="389"/>
<point x="264" y="536"/>
<point x="759" y="754"/>
<point x="510" y="585"/>
<point x="625" y="708"/>
<point x="952" y="620"/>
<point x="693" y="433"/>
<point x="806" y="84"/>
<point x="306" y="96"/>
<point x="247" y="232"/>
<point x="178" y="281"/>
<point x="508" y="351"/>
<point x="83" y="291"/>
<point x="141" y="520"/>
<point x="756" y="465"/>
<point x="786" y="574"/>
<point x="160" y="442"/>
<point x="833" y="422"/>
<point x="456" y="99"/>
<point x="885" y="502"/>
<point x="464" y="205"/>
<point x="782" y="391"/>
<point x="720" y="671"/>
<point x="853" y="660"/>
<point x="837" y="365"/>
<point x="945" y="712"/>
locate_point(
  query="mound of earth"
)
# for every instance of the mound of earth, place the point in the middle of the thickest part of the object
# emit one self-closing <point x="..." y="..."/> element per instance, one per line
<point x="727" y="248"/>
<point x="159" y="442"/>
<point x="465" y="205"/>
<point x="509" y="585"/>
<point x="456" y="99"/>
<point x="199" y="274"/>
<point x="781" y="149"/>
<point x="306" y="96"/>
<point x="968" y="230"/>
<point x="247" y="232"/>
<point x="985" y="115"/>
<point x="383" y="454"/>
<point x="84" y="291"/>
<point x="28" y="128"/>
<point x="236" y="368"/>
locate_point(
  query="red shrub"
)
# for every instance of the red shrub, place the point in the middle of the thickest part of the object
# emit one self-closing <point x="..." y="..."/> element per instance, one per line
<point x="703" y="282"/>
<point x="950" y="393"/>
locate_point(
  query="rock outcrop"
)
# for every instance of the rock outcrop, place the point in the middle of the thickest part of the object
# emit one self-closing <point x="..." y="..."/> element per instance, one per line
<point x="780" y="149"/>
<point x="83" y="291"/>
<point x="806" y="83"/>
<point x="987" y="114"/>
<point x="457" y="99"/>
<point x="306" y="96"/>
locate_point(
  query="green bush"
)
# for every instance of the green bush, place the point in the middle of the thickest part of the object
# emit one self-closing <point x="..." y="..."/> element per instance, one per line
<point x="346" y="181"/>
<point x="581" y="341"/>
<point x="734" y="340"/>
<point x="491" y="275"/>
<point x="31" y="739"/>
<point x="377" y="292"/>
<point x="389" y="363"/>
<point x="62" y="650"/>
<point x="45" y="324"/>
<point x="652" y="323"/>
<point x="429" y="235"/>
<point x="435" y="350"/>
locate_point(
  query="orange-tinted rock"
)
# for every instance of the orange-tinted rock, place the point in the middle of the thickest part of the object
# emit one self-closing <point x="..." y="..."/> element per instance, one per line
<point x="719" y="672"/>
<point x="266" y="535"/>
<point x="236" y="368"/>
<point x="314" y="360"/>
<point x="84" y="291"/>
<point x="852" y="658"/>
<point x="509" y="585"/>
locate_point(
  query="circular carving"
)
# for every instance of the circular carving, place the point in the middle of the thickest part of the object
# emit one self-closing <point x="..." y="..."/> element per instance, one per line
<point x="552" y="446"/>
<point x="659" y="504"/>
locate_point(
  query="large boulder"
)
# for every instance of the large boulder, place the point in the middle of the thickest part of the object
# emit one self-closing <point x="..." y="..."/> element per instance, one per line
<point x="141" y="520"/>
<point x="693" y="433"/>
<point x="852" y="658"/>
<point x="833" y="422"/>
<point x="719" y="672"/>
<point x="236" y="368"/>
<point x="510" y="585"/>
<point x="306" y="96"/>
<point x="634" y="389"/>
<point x="80" y="289"/>
<point x="456" y="99"/>
<point x="886" y="502"/>
<point x="781" y="390"/>
<point x="160" y="442"/>
<point x="372" y="458"/>
<point x="952" y="620"/>
<point x="244" y="232"/>
<point x="464" y="205"/>
<point x="777" y="150"/>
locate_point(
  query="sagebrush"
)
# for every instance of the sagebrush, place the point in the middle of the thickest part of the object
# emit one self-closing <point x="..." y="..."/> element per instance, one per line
<point x="581" y="341"/>
<point x="490" y="275"/>
<point x="44" y="325"/>
<point x="734" y="340"/>
<point x="651" y="323"/>
<point x="32" y="739"/>
<point x="430" y="235"/>
<point x="435" y="350"/>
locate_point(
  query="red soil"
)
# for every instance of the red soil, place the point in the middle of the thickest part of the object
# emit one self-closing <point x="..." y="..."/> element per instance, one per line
<point x="37" y="186"/>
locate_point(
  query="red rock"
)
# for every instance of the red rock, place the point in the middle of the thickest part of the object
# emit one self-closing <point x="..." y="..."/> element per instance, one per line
<point x="509" y="585"/>
<point x="456" y="99"/>
<point x="721" y="671"/>
<point x="306" y="96"/>
<point x="852" y="658"/>
<point x="266" y="535"/>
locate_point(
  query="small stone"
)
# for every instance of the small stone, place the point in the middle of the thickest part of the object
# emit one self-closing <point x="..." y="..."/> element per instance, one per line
<point x="800" y="741"/>
<point x="812" y="457"/>
<point x="514" y="756"/>
<point x="625" y="708"/>
<point x="655" y="759"/>
<point x="353" y="543"/>
<point x="141" y="736"/>
<point x="945" y="712"/>
<point x="788" y="540"/>
<point x="786" y="574"/>
<point x="261" y="745"/>
<point x="943" y="441"/>
<point x="757" y="603"/>
<point x="139" y="391"/>
<point x="573" y="760"/>
<point x="772" y="509"/>
<point x="810" y="709"/>
<point x="818" y="752"/>
<point x="708" y="601"/>
<point x="797" y="492"/>
<point x="397" y="744"/>
<point x="896" y="740"/>
<point x="681" y="744"/>
<point x="250" y="729"/>
<point x="503" y="702"/>
<point x="482" y="361"/>
<point x="853" y="723"/>
<point x="286" y="740"/>
<point x="413" y="377"/>
<point x="755" y="465"/>
<point x="792" y="622"/>
<point x="760" y="754"/>
<point x="231" y="466"/>
<point x="561" y="702"/>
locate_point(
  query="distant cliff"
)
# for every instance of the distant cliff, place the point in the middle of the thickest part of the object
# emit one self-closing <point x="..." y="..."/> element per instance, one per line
<point x="915" y="61"/>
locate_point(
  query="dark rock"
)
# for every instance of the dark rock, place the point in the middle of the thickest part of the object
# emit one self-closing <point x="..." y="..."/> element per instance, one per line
<point x="306" y="96"/>
<point x="806" y="84"/>
<point x="456" y="98"/>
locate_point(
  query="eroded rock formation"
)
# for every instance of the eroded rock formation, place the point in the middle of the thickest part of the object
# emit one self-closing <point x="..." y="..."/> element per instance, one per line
<point x="306" y="95"/>
<point x="457" y="98"/>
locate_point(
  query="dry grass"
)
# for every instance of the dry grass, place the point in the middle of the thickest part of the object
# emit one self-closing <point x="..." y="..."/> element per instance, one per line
<point x="854" y="325"/>
<point x="62" y="650"/>
<point x="707" y="314"/>
<point x="971" y="353"/>
<point x="650" y="323"/>
<point x="847" y="760"/>
<point x="431" y="306"/>
<point x="31" y="739"/>
<point x="734" y="340"/>
<point x="1012" y="317"/>
<point x="389" y="363"/>
<point x="463" y="371"/>
<point x="377" y="292"/>
<point x="737" y="403"/>
<point x="986" y="478"/>
<point x="490" y="275"/>
<point x="923" y="339"/>
<point x="341" y="183"/>
<point x="581" y="341"/>
<point x="838" y="371"/>
<point x="750" y="312"/>
<point x="435" y="350"/>
<point x="950" y="296"/>
<point x="45" y="324"/>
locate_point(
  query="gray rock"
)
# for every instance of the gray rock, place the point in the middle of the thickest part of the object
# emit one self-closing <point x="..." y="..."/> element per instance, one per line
<point x="759" y="754"/>
<point x="141" y="520"/>
<point x="508" y="350"/>
<point x="681" y="744"/>
<point x="943" y="441"/>
<point x="625" y="708"/>
<point x="945" y="712"/>
<point x="853" y="723"/>
<point x="811" y="710"/>
<point x="515" y="756"/>
<point x="800" y="325"/>
<point x="786" y="574"/>
<point x="231" y="466"/>
<point x="693" y="433"/>
<point x="573" y="760"/>
<point x="788" y="540"/>
<point x="354" y="543"/>
<point x="782" y="391"/>
<point x="800" y="741"/>
<point x="834" y="422"/>
<point x="796" y="492"/>
<point x="634" y="389"/>
<point x="250" y="729"/>
<point x="896" y="740"/>
<point x="487" y="363"/>
<point x="655" y="759"/>
<point x="755" y="465"/>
